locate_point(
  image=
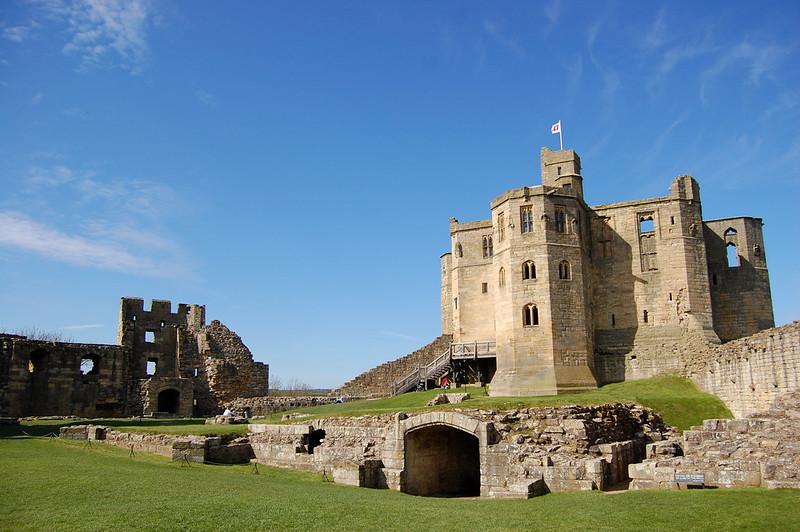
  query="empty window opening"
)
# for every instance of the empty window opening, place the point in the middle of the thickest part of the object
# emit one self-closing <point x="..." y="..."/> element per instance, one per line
<point x="671" y="220"/>
<point x="484" y="288"/>
<point x="613" y="320"/>
<point x="196" y="372"/>
<point x="567" y="187"/>
<point x="645" y="316"/>
<point x="149" y="336"/>
<point x="732" y="255"/>
<point x="564" y="270"/>
<point x="530" y="315"/>
<point x="455" y="302"/>
<point x="37" y="361"/>
<point x="501" y="277"/>
<point x="501" y="227"/>
<point x="756" y="250"/>
<point x="526" y="218"/>
<point x="162" y="324"/>
<point x="488" y="247"/>
<point x="646" y="224"/>
<point x="670" y="296"/>
<point x="89" y="366"/>
<point x="168" y="401"/>
<point x="152" y="366"/>
<point x="730" y="231"/>
<point x="459" y="250"/>
<point x="558" y="170"/>
<point x="561" y="219"/>
<point x="134" y="318"/>
<point x="528" y="270"/>
<point x="714" y="279"/>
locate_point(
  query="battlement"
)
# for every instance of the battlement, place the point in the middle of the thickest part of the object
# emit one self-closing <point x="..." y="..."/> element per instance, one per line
<point x="188" y="315"/>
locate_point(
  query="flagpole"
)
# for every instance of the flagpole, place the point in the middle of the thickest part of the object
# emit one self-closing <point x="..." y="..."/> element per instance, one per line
<point x="560" y="138"/>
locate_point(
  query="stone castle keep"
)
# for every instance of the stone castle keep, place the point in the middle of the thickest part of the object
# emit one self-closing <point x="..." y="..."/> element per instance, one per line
<point x="164" y="362"/>
<point x="568" y="296"/>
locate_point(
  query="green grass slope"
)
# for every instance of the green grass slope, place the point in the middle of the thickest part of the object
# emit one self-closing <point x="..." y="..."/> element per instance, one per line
<point x="678" y="400"/>
<point x="62" y="485"/>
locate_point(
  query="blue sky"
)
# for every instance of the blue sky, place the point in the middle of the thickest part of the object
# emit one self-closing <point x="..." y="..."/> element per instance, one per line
<point x="293" y="165"/>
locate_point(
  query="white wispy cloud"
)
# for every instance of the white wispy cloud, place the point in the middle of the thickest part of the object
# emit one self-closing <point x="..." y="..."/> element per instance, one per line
<point x="20" y="33"/>
<point x="657" y="36"/>
<point x="103" y="31"/>
<point x="757" y="60"/>
<point x="785" y="102"/>
<point x="205" y="98"/>
<point x="50" y="176"/>
<point x="21" y="232"/>
<point x="37" y="98"/>
<point x="75" y="112"/>
<point x="80" y="327"/>
<point x="552" y="13"/>
<point x="493" y="29"/>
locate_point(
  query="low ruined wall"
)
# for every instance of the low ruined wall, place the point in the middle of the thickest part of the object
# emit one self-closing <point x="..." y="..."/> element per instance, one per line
<point x="199" y="449"/>
<point x="749" y="374"/>
<point x="522" y="452"/>
<point x="268" y="404"/>
<point x="762" y="451"/>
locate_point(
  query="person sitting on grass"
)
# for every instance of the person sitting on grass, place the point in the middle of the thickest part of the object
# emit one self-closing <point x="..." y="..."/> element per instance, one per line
<point x="227" y="412"/>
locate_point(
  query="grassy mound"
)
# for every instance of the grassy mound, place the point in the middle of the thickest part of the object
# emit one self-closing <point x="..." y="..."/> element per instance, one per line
<point x="678" y="400"/>
<point x="63" y="485"/>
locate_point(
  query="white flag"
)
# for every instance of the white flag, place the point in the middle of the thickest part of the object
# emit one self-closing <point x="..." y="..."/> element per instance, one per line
<point x="556" y="128"/>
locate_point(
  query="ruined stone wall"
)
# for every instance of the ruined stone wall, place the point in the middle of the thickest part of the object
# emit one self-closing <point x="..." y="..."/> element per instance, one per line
<point x="760" y="451"/>
<point x="45" y="378"/>
<point x="378" y="381"/>
<point x="750" y="373"/>
<point x="740" y="292"/>
<point x="522" y="452"/>
<point x="265" y="405"/>
<point x="229" y="366"/>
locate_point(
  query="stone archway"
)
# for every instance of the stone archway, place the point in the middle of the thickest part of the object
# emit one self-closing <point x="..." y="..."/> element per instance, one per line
<point x="169" y="401"/>
<point x="442" y="461"/>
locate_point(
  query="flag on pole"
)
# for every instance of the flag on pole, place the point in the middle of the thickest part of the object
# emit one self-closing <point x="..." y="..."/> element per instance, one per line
<point x="556" y="128"/>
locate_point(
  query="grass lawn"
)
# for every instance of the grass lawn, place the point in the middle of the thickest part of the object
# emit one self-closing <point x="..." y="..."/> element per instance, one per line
<point x="61" y="485"/>
<point x="678" y="400"/>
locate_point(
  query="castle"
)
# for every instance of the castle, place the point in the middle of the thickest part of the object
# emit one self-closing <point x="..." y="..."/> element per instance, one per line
<point x="551" y="295"/>
<point x="164" y="363"/>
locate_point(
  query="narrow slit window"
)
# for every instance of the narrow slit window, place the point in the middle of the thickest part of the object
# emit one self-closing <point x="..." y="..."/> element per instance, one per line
<point x="501" y="277"/>
<point x="501" y="227"/>
<point x="645" y="317"/>
<point x="613" y="320"/>
<point x="484" y="288"/>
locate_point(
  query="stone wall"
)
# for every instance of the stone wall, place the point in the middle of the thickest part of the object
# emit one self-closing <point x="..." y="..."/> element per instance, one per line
<point x="763" y="450"/>
<point x="520" y="453"/>
<point x="263" y="406"/>
<point x="378" y="381"/>
<point x="748" y="374"/>
<point x="199" y="449"/>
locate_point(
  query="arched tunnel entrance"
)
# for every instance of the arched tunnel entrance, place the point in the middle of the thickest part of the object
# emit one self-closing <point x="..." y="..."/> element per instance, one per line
<point x="168" y="401"/>
<point x="442" y="461"/>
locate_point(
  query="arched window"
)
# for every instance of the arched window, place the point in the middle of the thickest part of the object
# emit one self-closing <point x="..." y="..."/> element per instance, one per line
<point x="564" y="271"/>
<point x="501" y="277"/>
<point x="459" y="250"/>
<point x="530" y="315"/>
<point x="730" y="231"/>
<point x="528" y="270"/>
<point x="90" y="365"/>
<point x="488" y="247"/>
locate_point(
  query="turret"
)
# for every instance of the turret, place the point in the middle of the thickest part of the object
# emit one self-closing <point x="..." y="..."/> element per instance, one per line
<point x="562" y="169"/>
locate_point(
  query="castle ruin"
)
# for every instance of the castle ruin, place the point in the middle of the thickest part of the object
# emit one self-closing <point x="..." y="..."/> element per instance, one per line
<point x="164" y="363"/>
